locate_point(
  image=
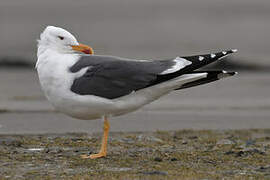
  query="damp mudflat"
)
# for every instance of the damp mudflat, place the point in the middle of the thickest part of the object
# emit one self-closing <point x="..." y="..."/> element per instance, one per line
<point x="185" y="154"/>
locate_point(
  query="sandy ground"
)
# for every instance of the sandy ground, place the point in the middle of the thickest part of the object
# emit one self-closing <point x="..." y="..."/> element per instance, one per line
<point x="184" y="155"/>
<point x="239" y="102"/>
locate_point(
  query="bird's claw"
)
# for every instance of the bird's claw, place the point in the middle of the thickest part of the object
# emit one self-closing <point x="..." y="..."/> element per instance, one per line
<point x="94" y="156"/>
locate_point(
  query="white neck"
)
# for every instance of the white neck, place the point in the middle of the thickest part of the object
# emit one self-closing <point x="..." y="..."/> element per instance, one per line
<point x="41" y="50"/>
<point x="53" y="72"/>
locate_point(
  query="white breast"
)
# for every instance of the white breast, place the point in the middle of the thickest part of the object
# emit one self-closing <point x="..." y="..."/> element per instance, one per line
<point x="53" y="73"/>
<point x="56" y="80"/>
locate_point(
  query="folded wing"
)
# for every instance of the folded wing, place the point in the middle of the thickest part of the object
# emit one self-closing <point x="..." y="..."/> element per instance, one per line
<point x="113" y="77"/>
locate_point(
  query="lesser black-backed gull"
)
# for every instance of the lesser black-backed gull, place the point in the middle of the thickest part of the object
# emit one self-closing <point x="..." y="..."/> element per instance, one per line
<point x="87" y="86"/>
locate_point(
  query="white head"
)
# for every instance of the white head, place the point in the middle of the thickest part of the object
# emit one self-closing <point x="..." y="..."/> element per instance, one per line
<point x="61" y="40"/>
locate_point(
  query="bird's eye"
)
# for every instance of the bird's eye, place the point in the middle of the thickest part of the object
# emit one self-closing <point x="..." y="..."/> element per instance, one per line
<point x="61" y="37"/>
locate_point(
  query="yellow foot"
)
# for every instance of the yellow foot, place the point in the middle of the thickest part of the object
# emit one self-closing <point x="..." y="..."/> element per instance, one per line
<point x="103" y="149"/>
<point x="93" y="156"/>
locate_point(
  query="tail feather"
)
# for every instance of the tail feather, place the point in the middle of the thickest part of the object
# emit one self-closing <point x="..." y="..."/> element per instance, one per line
<point x="211" y="76"/>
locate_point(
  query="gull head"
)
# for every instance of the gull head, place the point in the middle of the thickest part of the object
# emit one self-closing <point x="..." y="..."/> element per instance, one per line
<point x="61" y="40"/>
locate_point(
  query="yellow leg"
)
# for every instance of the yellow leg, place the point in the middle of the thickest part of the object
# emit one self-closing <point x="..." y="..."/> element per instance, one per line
<point x="103" y="149"/>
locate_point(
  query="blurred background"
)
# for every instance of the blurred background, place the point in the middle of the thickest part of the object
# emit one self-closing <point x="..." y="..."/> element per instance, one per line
<point x="145" y="29"/>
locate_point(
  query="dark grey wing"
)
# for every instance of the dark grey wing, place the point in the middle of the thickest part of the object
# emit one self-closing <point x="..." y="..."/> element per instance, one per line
<point x="112" y="77"/>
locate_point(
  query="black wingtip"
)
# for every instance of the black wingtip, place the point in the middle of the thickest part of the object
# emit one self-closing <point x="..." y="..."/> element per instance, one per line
<point x="199" y="61"/>
<point x="209" y="58"/>
<point x="234" y="50"/>
<point x="231" y="51"/>
<point x="223" y="54"/>
<point x="233" y="73"/>
<point x="225" y="74"/>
